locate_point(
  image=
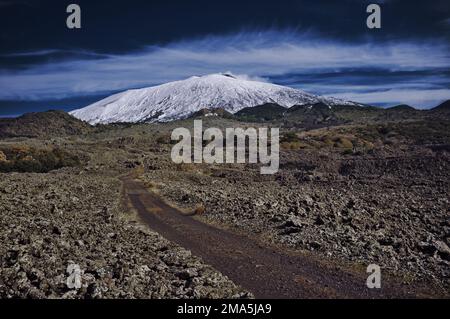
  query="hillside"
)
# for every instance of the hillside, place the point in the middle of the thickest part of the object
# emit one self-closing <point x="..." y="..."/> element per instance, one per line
<point x="43" y="124"/>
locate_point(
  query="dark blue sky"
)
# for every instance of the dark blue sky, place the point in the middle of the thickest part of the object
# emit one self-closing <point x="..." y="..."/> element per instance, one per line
<point x="323" y="47"/>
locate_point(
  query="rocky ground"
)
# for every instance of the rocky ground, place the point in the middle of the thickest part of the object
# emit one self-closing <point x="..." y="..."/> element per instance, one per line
<point x="70" y="216"/>
<point x="388" y="206"/>
<point x="357" y="194"/>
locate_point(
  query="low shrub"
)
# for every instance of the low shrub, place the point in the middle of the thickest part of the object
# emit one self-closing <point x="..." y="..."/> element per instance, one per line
<point x="343" y="142"/>
<point x="289" y="137"/>
<point x="22" y="158"/>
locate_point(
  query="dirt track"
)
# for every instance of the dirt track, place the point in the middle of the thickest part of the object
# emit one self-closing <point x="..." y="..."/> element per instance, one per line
<point x="266" y="272"/>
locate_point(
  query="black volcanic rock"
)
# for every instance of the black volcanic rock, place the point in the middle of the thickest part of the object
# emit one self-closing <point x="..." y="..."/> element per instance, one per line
<point x="320" y="114"/>
<point x="264" y="112"/>
<point x="313" y="114"/>
<point x="306" y="113"/>
<point x="43" y="124"/>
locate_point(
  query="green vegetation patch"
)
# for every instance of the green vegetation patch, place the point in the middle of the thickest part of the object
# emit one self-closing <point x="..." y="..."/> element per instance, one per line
<point x="23" y="158"/>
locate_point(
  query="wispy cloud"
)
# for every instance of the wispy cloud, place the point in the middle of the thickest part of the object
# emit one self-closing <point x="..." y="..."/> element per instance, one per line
<point x="52" y="52"/>
<point x="269" y="54"/>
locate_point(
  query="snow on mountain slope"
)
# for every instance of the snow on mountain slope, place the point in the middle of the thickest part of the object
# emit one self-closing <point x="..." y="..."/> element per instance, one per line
<point x="179" y="99"/>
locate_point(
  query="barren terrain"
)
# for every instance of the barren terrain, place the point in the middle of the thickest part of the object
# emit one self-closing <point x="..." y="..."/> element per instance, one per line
<point x="346" y="195"/>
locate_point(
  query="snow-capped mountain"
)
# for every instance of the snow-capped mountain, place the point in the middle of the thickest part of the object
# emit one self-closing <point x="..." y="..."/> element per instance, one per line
<point x="180" y="99"/>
